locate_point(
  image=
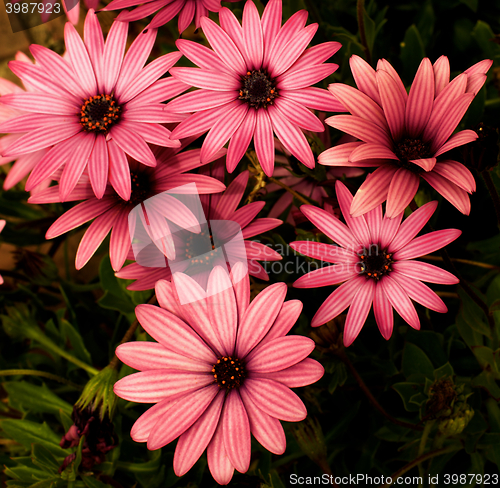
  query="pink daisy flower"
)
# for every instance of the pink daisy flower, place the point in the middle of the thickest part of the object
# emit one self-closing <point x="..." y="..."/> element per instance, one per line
<point x="78" y="107"/>
<point x="111" y="212"/>
<point x="223" y="206"/>
<point x="255" y="82"/>
<point x="375" y="265"/>
<point x="2" y="225"/>
<point x="187" y="10"/>
<point x="404" y="134"/>
<point x="222" y="370"/>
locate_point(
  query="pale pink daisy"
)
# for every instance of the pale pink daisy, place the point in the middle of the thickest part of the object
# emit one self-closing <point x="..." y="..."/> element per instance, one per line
<point x="2" y="225"/>
<point x="222" y="370"/>
<point x="111" y="212"/>
<point x="77" y="107"/>
<point x="219" y="206"/>
<point x="168" y="9"/>
<point x="255" y="82"/>
<point x="405" y="134"/>
<point x="375" y="264"/>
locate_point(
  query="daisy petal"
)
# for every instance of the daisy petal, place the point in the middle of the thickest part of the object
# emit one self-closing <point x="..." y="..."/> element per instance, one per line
<point x="383" y="313"/>
<point x="427" y="243"/>
<point x="425" y="272"/>
<point x="358" y="311"/>
<point x="400" y="301"/>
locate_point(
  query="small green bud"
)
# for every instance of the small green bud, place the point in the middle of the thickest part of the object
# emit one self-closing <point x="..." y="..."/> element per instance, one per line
<point x="98" y="393"/>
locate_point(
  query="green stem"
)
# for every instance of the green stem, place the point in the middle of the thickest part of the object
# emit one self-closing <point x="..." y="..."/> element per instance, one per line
<point x="44" y="374"/>
<point x="421" y="459"/>
<point x="40" y="337"/>
<point x="297" y="195"/>
<point x="362" y="34"/>
<point x="421" y="447"/>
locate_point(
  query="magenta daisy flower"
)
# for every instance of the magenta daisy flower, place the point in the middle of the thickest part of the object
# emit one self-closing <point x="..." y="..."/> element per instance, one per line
<point x="375" y="265"/>
<point x="255" y="82"/>
<point x="405" y="134"/>
<point x="168" y="9"/>
<point x="77" y="107"/>
<point x="223" y="206"/>
<point x="111" y="212"/>
<point x="222" y="370"/>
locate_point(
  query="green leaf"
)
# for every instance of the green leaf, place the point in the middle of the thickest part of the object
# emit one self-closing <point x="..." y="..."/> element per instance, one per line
<point x="69" y="333"/>
<point x="483" y="34"/>
<point x="469" y="335"/>
<point x="26" y="433"/>
<point x="412" y="51"/>
<point x="472" y="4"/>
<point x="112" y="302"/>
<point x="66" y="420"/>
<point x="486" y="358"/>
<point x="36" y="398"/>
<point x="370" y="31"/>
<point x="407" y="391"/>
<point x="43" y="458"/>
<point x="486" y="381"/>
<point x="444" y="371"/>
<point x="493" y="414"/>
<point x="415" y="361"/>
<point x="91" y="482"/>
<point x="473" y="315"/>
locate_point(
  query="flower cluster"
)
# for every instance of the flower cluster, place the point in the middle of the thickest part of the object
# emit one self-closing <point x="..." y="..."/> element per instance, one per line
<point x="104" y="134"/>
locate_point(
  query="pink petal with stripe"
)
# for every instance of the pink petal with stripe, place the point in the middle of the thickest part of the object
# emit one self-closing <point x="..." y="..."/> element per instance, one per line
<point x="373" y="191"/>
<point x="146" y="356"/>
<point x="425" y="272"/>
<point x="252" y="34"/>
<point x="113" y="54"/>
<point x="200" y="100"/>
<point x="325" y="252"/>
<point x="275" y="399"/>
<point x="266" y="429"/>
<point x="201" y="55"/>
<point x="182" y="415"/>
<point x="288" y="315"/>
<point x="420" y="293"/>
<point x="358" y="311"/>
<point x="98" y="166"/>
<point x="457" y="173"/>
<point x="338" y="155"/>
<point x="224" y="46"/>
<point x="201" y="78"/>
<point x="42" y="103"/>
<point x="302" y="374"/>
<point x="412" y="226"/>
<point x="195" y="440"/>
<point x="382" y="310"/>
<point x="119" y="244"/>
<point x="222" y="131"/>
<point x="441" y="74"/>
<point x="119" y="171"/>
<point x="364" y="76"/>
<point x="400" y="301"/>
<point x="279" y="353"/>
<point x="236" y="432"/>
<point x="94" y="236"/>
<point x="393" y="103"/>
<point x="358" y="103"/>
<point x="264" y="141"/>
<point x="316" y="55"/>
<point x="389" y="229"/>
<point x="199" y="122"/>
<point x="218" y="461"/>
<point x="133" y="144"/>
<point x="420" y="99"/>
<point x="383" y="64"/>
<point x="458" y="139"/>
<point x="259" y="318"/>
<point x="403" y="187"/>
<point x="331" y="226"/>
<point x="305" y="77"/>
<point x="361" y="129"/>
<point x="156" y="385"/>
<point x="315" y="98"/>
<point x="299" y="115"/>
<point x="369" y="152"/>
<point x="241" y="140"/>
<point x="338" y="301"/>
<point x="271" y="21"/>
<point x="427" y="243"/>
<point x="291" y="137"/>
<point x="455" y="195"/>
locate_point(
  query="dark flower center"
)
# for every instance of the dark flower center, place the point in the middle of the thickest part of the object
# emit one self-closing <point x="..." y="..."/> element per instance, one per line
<point x="408" y="149"/>
<point x="229" y="372"/>
<point x="374" y="262"/>
<point x="141" y="188"/>
<point x="99" y="113"/>
<point x="258" y="89"/>
<point x="197" y="246"/>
